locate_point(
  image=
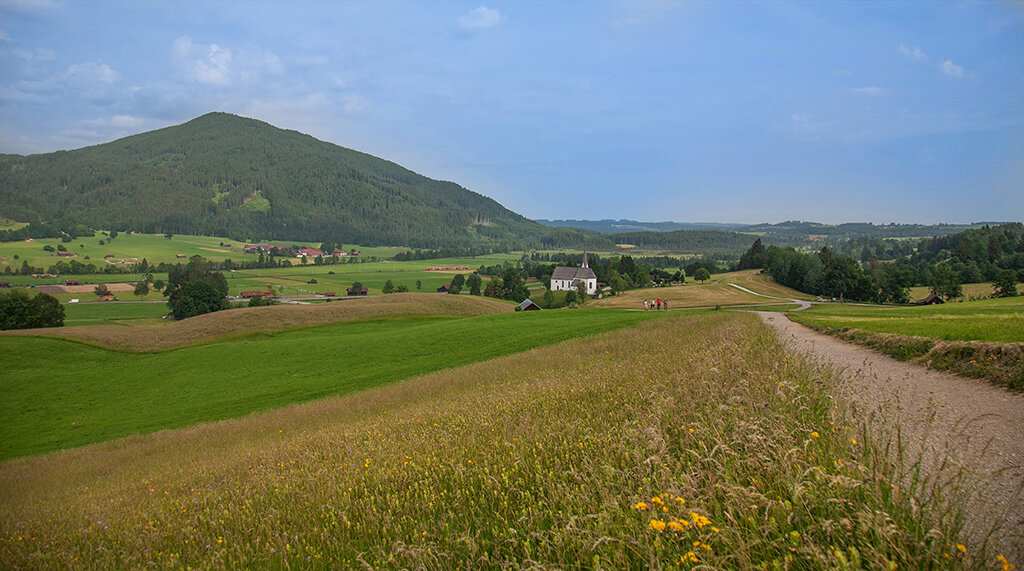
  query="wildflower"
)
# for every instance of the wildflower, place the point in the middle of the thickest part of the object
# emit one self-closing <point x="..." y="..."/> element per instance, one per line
<point x="961" y="547"/>
<point x="656" y="500"/>
<point x="641" y="506"/>
<point x="1006" y="564"/>
<point x="676" y="525"/>
<point x="699" y="520"/>
<point x="853" y="441"/>
<point x="690" y="556"/>
<point x="815" y="434"/>
<point x="657" y="525"/>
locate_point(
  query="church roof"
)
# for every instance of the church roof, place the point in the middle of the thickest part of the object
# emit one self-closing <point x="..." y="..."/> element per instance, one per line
<point x="565" y="273"/>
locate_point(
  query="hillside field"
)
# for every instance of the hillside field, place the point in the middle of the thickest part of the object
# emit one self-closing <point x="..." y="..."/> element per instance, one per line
<point x="1000" y="320"/>
<point x="59" y="394"/>
<point x="691" y="441"/>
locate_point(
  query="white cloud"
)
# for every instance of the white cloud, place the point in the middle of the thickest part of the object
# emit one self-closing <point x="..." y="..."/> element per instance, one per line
<point x="91" y="72"/>
<point x="950" y="68"/>
<point x="36" y="55"/>
<point x="4" y="36"/>
<point x="915" y="53"/>
<point x="209" y="64"/>
<point x="482" y="17"/>
<point x="117" y="122"/>
<point x="871" y="90"/>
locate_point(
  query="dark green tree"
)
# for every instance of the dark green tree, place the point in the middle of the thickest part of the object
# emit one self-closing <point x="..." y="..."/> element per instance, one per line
<point x="473" y="282"/>
<point x="19" y="310"/>
<point x="703" y="275"/>
<point x="101" y="290"/>
<point x="389" y="287"/>
<point x="196" y="298"/>
<point x="549" y="299"/>
<point x="141" y="288"/>
<point x="1005" y="284"/>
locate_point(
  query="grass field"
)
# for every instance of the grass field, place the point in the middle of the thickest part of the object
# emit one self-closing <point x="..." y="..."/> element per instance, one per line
<point x="693" y="441"/>
<point x="113" y="313"/>
<point x="680" y="297"/>
<point x="1000" y="320"/>
<point x="761" y="283"/>
<point x="58" y="394"/>
<point x="971" y="291"/>
<point x="982" y="339"/>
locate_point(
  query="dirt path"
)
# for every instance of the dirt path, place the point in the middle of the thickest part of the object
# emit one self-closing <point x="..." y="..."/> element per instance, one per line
<point x="978" y="426"/>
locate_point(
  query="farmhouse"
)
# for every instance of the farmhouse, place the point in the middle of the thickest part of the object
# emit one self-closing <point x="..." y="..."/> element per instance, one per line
<point x="257" y="248"/>
<point x="445" y="288"/>
<point x="71" y="282"/>
<point x="354" y="291"/>
<point x="309" y="253"/>
<point x="180" y="256"/>
<point x="567" y="279"/>
<point x="68" y="254"/>
<point x="339" y="253"/>
<point x="258" y="293"/>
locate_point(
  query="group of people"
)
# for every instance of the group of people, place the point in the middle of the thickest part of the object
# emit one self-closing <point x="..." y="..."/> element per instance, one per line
<point x="656" y="304"/>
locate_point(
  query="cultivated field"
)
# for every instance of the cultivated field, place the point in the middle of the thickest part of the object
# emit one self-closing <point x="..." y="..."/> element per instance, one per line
<point x="59" y="394"/>
<point x="971" y="291"/>
<point x="680" y="297"/>
<point x="761" y="283"/>
<point x="691" y="441"/>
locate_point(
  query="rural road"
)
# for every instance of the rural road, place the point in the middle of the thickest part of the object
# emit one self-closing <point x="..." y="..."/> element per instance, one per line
<point x="978" y="426"/>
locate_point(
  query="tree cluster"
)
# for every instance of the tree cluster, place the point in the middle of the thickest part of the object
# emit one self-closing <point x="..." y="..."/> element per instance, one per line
<point x="19" y="310"/>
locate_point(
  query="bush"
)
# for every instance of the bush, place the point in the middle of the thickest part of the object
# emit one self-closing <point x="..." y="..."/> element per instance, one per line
<point x="195" y="298"/>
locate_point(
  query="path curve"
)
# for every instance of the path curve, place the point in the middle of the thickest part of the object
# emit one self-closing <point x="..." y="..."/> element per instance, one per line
<point x="981" y="426"/>
<point x="803" y="304"/>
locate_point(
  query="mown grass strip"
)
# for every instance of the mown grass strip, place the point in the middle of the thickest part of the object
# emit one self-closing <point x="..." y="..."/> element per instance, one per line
<point x="998" y="320"/>
<point x="691" y="441"/>
<point x="57" y="394"/>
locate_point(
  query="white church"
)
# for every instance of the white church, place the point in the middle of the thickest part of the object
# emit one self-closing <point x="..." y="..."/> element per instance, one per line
<point x="566" y="279"/>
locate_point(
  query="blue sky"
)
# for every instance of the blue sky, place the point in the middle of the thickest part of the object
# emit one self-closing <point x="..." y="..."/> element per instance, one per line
<point x="718" y="111"/>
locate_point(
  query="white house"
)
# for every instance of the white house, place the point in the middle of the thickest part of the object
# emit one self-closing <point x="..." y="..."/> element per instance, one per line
<point x="566" y="279"/>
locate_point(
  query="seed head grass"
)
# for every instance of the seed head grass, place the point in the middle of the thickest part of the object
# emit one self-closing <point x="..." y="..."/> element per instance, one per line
<point x="691" y="441"/>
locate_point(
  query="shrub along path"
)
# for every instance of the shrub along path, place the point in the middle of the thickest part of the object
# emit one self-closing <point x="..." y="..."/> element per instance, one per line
<point x="958" y="424"/>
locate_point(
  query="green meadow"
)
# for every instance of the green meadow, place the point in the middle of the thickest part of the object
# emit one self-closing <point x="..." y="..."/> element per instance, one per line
<point x="112" y="313"/>
<point x="690" y="440"/>
<point x="59" y="394"/>
<point x="1000" y="320"/>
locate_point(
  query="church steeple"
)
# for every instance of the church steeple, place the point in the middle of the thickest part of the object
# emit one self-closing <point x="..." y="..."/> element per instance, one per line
<point x="585" y="264"/>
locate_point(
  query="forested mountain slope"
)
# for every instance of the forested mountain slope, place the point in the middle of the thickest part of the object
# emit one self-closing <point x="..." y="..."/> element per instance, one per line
<point x="228" y="175"/>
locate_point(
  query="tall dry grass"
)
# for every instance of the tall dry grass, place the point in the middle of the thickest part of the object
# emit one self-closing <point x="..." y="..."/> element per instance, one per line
<point x="693" y="442"/>
<point x="249" y="320"/>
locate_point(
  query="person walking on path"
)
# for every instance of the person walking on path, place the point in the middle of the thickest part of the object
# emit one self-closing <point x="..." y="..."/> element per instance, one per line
<point x="645" y="305"/>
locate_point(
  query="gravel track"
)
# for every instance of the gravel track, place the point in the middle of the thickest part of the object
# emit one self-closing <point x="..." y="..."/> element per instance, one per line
<point x="976" y="428"/>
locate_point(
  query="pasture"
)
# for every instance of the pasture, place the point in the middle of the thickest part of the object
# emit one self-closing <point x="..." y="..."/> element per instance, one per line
<point x="693" y="441"/>
<point x="1000" y="320"/>
<point x="58" y="394"/>
<point x="690" y="295"/>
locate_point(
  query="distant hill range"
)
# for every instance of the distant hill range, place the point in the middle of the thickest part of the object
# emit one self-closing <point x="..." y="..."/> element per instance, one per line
<point x="221" y="174"/>
<point x="789" y="233"/>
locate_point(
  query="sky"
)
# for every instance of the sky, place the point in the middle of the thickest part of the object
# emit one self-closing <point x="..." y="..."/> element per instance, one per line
<point x="685" y="111"/>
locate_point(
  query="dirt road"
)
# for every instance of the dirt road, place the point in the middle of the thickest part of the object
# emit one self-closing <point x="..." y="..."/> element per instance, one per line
<point x="977" y="426"/>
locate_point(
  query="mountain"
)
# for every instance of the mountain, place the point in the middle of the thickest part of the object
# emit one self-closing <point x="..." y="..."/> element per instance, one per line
<point x="221" y="174"/>
<point x="607" y="226"/>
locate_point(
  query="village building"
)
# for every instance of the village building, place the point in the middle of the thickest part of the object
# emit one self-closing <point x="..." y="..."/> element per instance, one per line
<point x="359" y="291"/>
<point x="258" y="293"/>
<point x="309" y="253"/>
<point x="257" y="248"/>
<point x="568" y="279"/>
<point x="528" y="305"/>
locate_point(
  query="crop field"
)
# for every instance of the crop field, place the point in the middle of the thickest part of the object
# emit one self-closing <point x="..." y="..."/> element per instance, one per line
<point x="692" y="441"/>
<point x="761" y="283"/>
<point x="58" y="394"/>
<point x="680" y="297"/>
<point x="1000" y="320"/>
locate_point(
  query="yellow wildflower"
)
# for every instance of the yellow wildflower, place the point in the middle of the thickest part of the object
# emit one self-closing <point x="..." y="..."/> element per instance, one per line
<point x="700" y="520"/>
<point x="691" y="556"/>
<point x="641" y="506"/>
<point x="853" y="441"/>
<point x="815" y="434"/>
<point x="961" y="547"/>
<point x="1006" y="564"/>
<point x="676" y="525"/>
<point x="657" y="525"/>
<point x="656" y="500"/>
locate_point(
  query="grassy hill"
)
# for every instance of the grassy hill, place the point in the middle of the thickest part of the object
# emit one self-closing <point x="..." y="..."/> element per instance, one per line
<point x="221" y="174"/>
<point x="59" y="394"/>
<point x="693" y="441"/>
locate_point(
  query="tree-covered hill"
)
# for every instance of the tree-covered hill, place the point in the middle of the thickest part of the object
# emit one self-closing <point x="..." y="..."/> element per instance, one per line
<point x="228" y="175"/>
